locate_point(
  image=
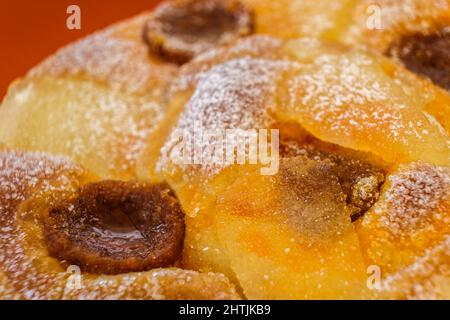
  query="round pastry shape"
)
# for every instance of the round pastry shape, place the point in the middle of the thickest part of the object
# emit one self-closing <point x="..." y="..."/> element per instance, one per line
<point x="289" y="149"/>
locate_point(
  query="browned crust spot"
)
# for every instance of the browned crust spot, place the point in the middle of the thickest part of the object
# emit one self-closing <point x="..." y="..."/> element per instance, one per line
<point x="115" y="227"/>
<point x="359" y="180"/>
<point x="179" y="30"/>
<point x="426" y="55"/>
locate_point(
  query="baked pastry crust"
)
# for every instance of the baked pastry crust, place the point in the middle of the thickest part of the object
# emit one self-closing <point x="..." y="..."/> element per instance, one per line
<point x="362" y="180"/>
<point x="32" y="182"/>
<point x="94" y="101"/>
<point x="345" y="97"/>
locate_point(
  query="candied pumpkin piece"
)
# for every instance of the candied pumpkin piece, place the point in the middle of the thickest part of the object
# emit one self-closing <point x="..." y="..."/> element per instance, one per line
<point x="427" y="278"/>
<point x="94" y="125"/>
<point x="360" y="174"/>
<point x="290" y="236"/>
<point x="193" y="182"/>
<point x="202" y="248"/>
<point x="299" y="18"/>
<point x="356" y="99"/>
<point x="408" y="223"/>
<point x="224" y="224"/>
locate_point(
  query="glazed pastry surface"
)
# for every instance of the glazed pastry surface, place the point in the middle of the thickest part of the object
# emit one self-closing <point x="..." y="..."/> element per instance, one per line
<point x="355" y="179"/>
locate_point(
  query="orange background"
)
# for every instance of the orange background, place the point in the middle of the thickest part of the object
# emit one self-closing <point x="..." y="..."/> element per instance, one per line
<point x="30" y="30"/>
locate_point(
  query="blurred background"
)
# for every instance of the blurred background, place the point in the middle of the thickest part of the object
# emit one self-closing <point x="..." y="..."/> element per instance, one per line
<point x="31" y="30"/>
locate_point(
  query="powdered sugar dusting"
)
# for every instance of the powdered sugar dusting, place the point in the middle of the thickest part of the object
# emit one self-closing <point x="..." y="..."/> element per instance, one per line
<point x="26" y="275"/>
<point x="19" y="174"/>
<point x="158" y="284"/>
<point x="338" y="83"/>
<point x="121" y="62"/>
<point x="258" y="46"/>
<point x="233" y="95"/>
<point x="398" y="17"/>
<point x="350" y="99"/>
<point x="101" y="128"/>
<point x="414" y="197"/>
<point x="423" y="279"/>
